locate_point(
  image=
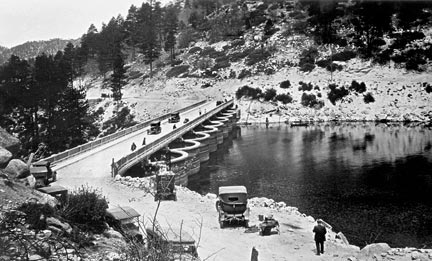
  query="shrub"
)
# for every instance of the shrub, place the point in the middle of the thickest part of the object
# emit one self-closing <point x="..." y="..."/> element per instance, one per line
<point x="177" y="70"/>
<point x="285" y="84"/>
<point x="244" y="73"/>
<point x="269" y="94"/>
<point x="34" y="212"/>
<point x="368" y="98"/>
<point x="237" y="42"/>
<point x="383" y="56"/>
<point x="195" y="49"/>
<point x="323" y="63"/>
<point x="305" y="86"/>
<point x="211" y="52"/>
<point x="86" y="207"/>
<point x="343" y="56"/>
<point x="333" y="67"/>
<point x="414" y="61"/>
<point x="402" y="39"/>
<point x="307" y="59"/>
<point x="257" y="56"/>
<point x="246" y="91"/>
<point x="428" y="87"/>
<point x="336" y="93"/>
<point x="284" y="98"/>
<point x="357" y="87"/>
<point x="309" y="100"/>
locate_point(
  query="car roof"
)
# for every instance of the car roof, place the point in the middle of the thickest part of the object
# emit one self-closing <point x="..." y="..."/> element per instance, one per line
<point x="122" y="212"/>
<point x="232" y="189"/>
<point x="52" y="189"/>
<point x="172" y="235"/>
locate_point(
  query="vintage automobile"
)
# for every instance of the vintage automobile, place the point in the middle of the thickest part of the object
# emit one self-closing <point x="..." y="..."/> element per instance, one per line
<point x="42" y="173"/>
<point x="59" y="192"/>
<point x="174" y="117"/>
<point x="232" y="205"/>
<point x="155" y="127"/>
<point x="175" y="242"/>
<point x="124" y="219"/>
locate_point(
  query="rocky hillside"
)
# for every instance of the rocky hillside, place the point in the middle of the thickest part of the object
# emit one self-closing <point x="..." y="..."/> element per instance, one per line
<point x="32" y="49"/>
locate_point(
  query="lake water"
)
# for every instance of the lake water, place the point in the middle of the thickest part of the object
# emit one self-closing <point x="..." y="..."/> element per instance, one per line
<point x="371" y="181"/>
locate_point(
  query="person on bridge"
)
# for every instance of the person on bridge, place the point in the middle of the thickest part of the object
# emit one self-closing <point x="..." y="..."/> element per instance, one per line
<point x="133" y="146"/>
<point x="144" y="141"/>
<point x="174" y="127"/>
<point x="320" y="232"/>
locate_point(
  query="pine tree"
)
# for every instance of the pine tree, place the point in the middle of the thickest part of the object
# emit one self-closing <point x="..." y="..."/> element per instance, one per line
<point x="117" y="77"/>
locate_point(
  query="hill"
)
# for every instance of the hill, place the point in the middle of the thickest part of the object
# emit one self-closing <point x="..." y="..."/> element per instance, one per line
<point x="32" y="49"/>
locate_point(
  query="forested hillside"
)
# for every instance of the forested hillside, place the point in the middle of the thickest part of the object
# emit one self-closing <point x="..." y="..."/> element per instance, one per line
<point x="34" y="48"/>
<point x="41" y="101"/>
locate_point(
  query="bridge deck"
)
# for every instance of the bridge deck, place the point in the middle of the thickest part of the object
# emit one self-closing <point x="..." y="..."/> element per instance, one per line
<point x="92" y="166"/>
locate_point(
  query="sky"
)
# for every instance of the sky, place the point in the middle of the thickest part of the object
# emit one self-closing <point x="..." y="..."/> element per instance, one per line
<point x="33" y="20"/>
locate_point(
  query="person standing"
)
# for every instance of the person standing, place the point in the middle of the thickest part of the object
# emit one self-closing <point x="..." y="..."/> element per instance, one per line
<point x="320" y="232"/>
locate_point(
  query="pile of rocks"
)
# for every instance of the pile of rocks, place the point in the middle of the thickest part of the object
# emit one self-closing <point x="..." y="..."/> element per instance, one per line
<point x="146" y="184"/>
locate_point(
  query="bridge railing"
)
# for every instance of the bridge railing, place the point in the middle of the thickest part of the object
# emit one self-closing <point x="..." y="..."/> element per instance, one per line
<point x="119" y="165"/>
<point x="104" y="140"/>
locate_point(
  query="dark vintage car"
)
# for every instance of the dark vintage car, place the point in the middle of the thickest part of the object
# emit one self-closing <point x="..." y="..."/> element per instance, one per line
<point x="174" y="117"/>
<point x="232" y="206"/>
<point x="59" y="192"/>
<point x="155" y="127"/>
<point x="42" y="173"/>
<point x="175" y="242"/>
<point x="124" y="219"/>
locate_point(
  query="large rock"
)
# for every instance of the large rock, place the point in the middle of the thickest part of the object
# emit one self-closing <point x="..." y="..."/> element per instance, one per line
<point x="9" y="142"/>
<point x="370" y="252"/>
<point x="53" y="222"/>
<point x="17" y="169"/>
<point x="5" y="157"/>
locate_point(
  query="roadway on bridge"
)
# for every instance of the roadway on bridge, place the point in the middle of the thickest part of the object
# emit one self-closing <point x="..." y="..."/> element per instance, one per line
<point x="94" y="167"/>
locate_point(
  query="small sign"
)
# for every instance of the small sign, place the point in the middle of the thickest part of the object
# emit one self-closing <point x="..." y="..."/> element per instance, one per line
<point x="165" y="189"/>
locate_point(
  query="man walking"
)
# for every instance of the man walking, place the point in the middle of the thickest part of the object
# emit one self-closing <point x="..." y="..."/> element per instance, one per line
<point x="320" y="232"/>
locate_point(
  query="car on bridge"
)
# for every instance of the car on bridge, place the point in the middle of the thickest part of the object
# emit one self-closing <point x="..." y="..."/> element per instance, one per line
<point x="174" y="117"/>
<point x="42" y="173"/>
<point x="155" y="127"/>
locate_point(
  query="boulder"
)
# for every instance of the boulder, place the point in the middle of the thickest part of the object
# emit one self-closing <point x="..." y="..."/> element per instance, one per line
<point x="5" y="157"/>
<point x="372" y="250"/>
<point x="111" y="233"/>
<point x="9" y="142"/>
<point x="53" y="222"/>
<point x="17" y="169"/>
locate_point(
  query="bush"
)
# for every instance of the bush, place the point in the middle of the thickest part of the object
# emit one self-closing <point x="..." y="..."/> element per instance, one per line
<point x="343" y="56"/>
<point x="257" y="56"/>
<point x="428" y="87"/>
<point x="86" y="207"/>
<point x="333" y="67"/>
<point x="195" y="49"/>
<point x="177" y="70"/>
<point x="284" y="98"/>
<point x="269" y="94"/>
<point x="307" y="59"/>
<point x="336" y="93"/>
<point x="414" y="61"/>
<point x="307" y="67"/>
<point x="305" y="86"/>
<point x="285" y="84"/>
<point x="34" y="212"/>
<point x="246" y="91"/>
<point x="309" y="100"/>
<point x="357" y="87"/>
<point x="402" y="39"/>
<point x="368" y="98"/>
<point x="323" y="63"/>
<point x="244" y="73"/>
<point x="237" y="42"/>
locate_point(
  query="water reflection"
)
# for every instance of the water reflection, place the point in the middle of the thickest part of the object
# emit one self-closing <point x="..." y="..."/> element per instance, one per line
<point x="371" y="181"/>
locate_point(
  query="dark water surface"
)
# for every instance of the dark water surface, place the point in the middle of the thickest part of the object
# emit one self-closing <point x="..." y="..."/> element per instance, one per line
<point x="371" y="181"/>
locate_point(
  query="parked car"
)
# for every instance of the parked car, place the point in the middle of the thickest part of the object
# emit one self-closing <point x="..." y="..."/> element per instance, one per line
<point x="59" y="192"/>
<point x="155" y="127"/>
<point x="42" y="173"/>
<point x="174" y="117"/>
<point x="176" y="243"/>
<point x="232" y="206"/>
<point x="125" y="220"/>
